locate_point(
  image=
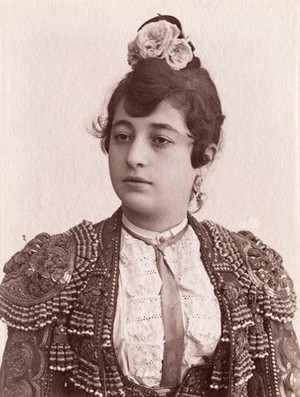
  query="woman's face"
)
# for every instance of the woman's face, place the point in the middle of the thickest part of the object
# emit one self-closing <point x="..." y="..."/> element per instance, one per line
<point x="150" y="164"/>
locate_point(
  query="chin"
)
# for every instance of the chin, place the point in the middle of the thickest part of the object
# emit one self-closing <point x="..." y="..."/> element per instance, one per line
<point x="138" y="208"/>
<point x="138" y="204"/>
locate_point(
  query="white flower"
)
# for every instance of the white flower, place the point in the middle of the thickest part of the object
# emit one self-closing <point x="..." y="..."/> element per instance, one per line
<point x="155" y="37"/>
<point x="179" y="54"/>
<point x="160" y="40"/>
<point x="133" y="55"/>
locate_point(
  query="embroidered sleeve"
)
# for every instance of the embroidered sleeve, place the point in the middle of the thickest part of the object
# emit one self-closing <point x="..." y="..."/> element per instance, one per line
<point x="36" y="286"/>
<point x="273" y="289"/>
<point x="287" y="355"/>
<point x="276" y="300"/>
<point x="25" y="368"/>
<point x="37" y="296"/>
<point x="43" y="280"/>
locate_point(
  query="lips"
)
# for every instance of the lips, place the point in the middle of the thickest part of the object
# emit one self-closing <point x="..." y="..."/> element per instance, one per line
<point x="136" y="179"/>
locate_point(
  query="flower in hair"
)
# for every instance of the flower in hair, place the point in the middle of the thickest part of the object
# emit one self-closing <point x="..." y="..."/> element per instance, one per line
<point x="133" y="55"/>
<point x="160" y="40"/>
<point x="179" y="54"/>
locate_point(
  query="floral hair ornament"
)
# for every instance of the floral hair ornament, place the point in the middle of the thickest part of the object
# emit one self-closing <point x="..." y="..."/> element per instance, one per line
<point x="161" y="37"/>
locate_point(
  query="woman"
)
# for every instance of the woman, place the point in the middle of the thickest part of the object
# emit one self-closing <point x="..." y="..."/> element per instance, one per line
<point x="150" y="302"/>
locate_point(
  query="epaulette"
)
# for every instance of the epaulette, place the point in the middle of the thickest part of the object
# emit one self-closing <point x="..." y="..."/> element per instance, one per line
<point x="256" y="289"/>
<point x="275" y="295"/>
<point x="259" y="270"/>
<point x="43" y="280"/>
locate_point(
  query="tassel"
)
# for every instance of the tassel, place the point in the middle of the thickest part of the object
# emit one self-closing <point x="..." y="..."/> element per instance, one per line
<point x="81" y="323"/>
<point x="220" y="373"/>
<point x="86" y="376"/>
<point x="243" y="364"/>
<point x="61" y="354"/>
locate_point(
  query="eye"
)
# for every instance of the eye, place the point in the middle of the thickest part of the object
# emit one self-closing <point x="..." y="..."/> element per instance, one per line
<point x="161" y="141"/>
<point x="121" y="137"/>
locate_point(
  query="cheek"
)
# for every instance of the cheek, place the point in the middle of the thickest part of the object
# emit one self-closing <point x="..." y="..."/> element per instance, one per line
<point x="179" y="177"/>
<point x="186" y="174"/>
<point x="183" y="165"/>
<point x="114" y="166"/>
<point x="114" y="158"/>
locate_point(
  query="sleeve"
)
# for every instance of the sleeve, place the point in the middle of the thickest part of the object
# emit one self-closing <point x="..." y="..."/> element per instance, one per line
<point x="276" y="300"/>
<point x="34" y="302"/>
<point x="25" y="367"/>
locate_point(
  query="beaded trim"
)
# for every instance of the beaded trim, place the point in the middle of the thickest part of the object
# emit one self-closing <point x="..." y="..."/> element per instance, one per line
<point x="237" y="319"/>
<point x="276" y="297"/>
<point x="215" y="268"/>
<point x="250" y="339"/>
<point x="43" y="282"/>
<point x="259" y="270"/>
<point x="36" y="292"/>
<point x="85" y="376"/>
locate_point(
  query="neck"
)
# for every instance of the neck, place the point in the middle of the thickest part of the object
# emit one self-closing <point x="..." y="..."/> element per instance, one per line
<point x="156" y="223"/>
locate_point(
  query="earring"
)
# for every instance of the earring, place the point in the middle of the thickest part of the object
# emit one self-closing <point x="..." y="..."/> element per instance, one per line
<point x="197" y="194"/>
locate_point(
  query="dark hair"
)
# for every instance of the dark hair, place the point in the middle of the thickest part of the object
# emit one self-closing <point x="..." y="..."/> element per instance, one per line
<point x="190" y="90"/>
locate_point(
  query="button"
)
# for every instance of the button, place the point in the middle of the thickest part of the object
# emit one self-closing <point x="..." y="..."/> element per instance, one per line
<point x="162" y="239"/>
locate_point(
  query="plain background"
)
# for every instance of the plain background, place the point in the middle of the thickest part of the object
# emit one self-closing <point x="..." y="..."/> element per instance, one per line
<point x="60" y="59"/>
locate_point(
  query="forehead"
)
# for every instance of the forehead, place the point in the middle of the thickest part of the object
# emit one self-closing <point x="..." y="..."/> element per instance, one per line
<point x="164" y="113"/>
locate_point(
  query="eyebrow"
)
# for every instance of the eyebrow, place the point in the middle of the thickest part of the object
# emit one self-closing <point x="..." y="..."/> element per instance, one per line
<point x="122" y="123"/>
<point x="156" y="126"/>
<point x="163" y="126"/>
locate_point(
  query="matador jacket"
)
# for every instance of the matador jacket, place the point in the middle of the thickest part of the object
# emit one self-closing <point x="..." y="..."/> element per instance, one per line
<point x="59" y="295"/>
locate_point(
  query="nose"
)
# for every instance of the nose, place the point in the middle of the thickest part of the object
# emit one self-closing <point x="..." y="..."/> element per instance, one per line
<point x="138" y="153"/>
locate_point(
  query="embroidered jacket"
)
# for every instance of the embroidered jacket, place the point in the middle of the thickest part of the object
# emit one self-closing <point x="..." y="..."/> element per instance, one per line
<point x="59" y="295"/>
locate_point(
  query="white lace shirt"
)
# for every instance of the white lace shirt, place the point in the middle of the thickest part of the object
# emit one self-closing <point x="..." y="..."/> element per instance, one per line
<point x="138" y="326"/>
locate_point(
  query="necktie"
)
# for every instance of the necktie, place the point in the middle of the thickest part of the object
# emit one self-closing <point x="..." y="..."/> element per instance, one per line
<point x="171" y="312"/>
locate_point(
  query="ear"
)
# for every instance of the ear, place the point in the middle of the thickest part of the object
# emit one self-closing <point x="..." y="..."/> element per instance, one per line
<point x="211" y="151"/>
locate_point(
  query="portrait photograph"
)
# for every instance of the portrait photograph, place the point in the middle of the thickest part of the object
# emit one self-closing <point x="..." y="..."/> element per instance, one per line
<point x="150" y="211"/>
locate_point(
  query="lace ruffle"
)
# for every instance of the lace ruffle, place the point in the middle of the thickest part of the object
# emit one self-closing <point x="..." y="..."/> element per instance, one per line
<point x="138" y="316"/>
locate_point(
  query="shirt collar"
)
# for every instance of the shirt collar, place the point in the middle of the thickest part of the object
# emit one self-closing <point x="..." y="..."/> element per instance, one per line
<point x="156" y="237"/>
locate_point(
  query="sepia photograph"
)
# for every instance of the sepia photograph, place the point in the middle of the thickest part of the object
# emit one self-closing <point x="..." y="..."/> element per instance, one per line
<point x="150" y="211"/>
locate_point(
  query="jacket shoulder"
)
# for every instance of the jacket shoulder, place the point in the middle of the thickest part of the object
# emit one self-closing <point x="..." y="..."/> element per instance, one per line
<point x="259" y="269"/>
<point x="43" y="279"/>
<point x="265" y="266"/>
